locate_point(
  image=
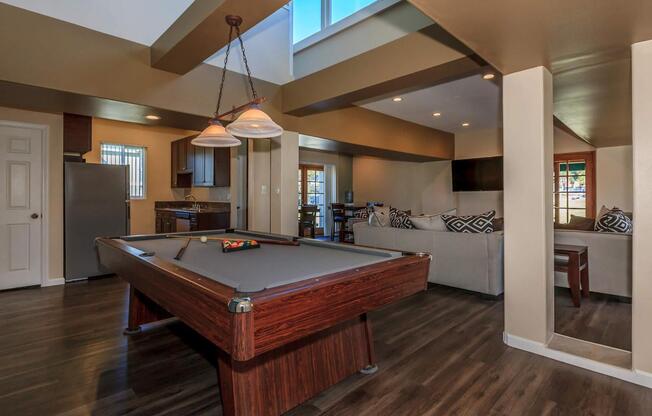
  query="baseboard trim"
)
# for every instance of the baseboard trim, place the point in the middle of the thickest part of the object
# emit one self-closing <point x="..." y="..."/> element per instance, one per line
<point x="53" y="282"/>
<point x="638" y="377"/>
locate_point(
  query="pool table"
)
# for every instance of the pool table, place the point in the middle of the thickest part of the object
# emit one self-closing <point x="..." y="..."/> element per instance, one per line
<point x="289" y="321"/>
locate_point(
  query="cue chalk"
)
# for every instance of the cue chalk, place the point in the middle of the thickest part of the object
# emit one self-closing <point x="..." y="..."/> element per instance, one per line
<point x="182" y="250"/>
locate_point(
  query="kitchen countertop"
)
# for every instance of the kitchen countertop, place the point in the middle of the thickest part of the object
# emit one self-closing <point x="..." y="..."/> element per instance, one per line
<point x="191" y="210"/>
<point x="187" y="206"/>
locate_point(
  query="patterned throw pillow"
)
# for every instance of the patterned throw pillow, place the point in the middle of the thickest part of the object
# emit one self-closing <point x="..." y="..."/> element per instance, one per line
<point x="361" y="213"/>
<point x="400" y="219"/>
<point x="482" y="223"/>
<point x="382" y="215"/>
<point x="614" y="221"/>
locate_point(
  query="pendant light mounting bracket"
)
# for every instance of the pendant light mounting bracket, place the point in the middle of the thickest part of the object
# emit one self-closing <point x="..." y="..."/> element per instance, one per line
<point x="233" y="20"/>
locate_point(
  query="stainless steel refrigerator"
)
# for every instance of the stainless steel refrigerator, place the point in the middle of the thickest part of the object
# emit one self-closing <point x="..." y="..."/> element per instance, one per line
<point x="96" y="205"/>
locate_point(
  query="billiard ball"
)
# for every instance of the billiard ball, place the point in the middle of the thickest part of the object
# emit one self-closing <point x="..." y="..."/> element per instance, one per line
<point x="203" y="239"/>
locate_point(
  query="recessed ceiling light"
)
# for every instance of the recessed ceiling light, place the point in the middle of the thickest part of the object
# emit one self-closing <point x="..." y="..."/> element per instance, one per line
<point x="466" y="124"/>
<point x="152" y="117"/>
<point x="488" y="75"/>
<point x="397" y="99"/>
<point x="436" y="114"/>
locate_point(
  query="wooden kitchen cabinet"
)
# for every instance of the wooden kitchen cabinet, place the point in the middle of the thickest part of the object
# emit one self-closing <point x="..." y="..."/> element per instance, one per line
<point x="182" y="220"/>
<point x="199" y="166"/>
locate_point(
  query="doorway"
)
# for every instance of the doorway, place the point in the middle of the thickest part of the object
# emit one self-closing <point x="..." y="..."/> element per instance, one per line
<point x="312" y="191"/>
<point x="21" y="204"/>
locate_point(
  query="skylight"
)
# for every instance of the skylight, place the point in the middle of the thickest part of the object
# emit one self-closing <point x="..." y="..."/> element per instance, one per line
<point x="312" y="16"/>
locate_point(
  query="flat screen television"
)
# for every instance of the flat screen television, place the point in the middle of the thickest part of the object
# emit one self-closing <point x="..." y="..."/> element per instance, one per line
<point x="484" y="174"/>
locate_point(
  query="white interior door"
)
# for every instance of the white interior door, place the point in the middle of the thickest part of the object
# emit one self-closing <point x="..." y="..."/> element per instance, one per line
<point x="20" y="206"/>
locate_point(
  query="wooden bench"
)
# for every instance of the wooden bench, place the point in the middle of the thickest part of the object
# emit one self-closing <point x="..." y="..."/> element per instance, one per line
<point x="574" y="261"/>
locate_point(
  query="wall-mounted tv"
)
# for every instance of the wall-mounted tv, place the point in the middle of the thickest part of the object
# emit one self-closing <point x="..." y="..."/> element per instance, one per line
<point x="484" y="174"/>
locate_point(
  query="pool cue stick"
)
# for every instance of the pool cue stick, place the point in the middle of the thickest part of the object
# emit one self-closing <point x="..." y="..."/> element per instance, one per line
<point x="272" y="242"/>
<point x="182" y="250"/>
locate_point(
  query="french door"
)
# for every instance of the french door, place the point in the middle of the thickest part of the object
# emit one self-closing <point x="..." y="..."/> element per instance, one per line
<point x="574" y="192"/>
<point x="312" y="191"/>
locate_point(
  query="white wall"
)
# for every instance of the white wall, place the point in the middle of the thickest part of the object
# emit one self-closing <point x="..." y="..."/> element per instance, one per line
<point x="269" y="50"/>
<point x="391" y="24"/>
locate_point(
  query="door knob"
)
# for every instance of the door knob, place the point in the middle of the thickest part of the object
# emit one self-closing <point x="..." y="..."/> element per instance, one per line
<point x="34" y="216"/>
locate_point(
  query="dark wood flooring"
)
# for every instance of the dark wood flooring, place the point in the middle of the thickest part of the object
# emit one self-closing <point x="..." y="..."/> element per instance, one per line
<point x="600" y="319"/>
<point x="441" y="352"/>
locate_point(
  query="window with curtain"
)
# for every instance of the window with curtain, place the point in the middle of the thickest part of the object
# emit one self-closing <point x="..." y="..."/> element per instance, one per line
<point x="132" y="156"/>
<point x="574" y="188"/>
<point x="312" y="16"/>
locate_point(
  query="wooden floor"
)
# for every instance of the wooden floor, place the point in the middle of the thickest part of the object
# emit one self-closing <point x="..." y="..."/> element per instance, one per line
<point x="440" y="353"/>
<point x="600" y="319"/>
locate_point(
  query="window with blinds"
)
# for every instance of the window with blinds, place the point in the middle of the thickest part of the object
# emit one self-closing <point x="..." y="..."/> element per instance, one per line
<point x="134" y="157"/>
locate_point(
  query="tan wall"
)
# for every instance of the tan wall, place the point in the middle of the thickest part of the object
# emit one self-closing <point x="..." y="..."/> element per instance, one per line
<point x="343" y="167"/>
<point x="419" y="187"/>
<point x="565" y="143"/>
<point x="259" y="202"/>
<point x="54" y="122"/>
<point x="470" y="144"/>
<point x="614" y="177"/>
<point x="91" y="63"/>
<point x="284" y="179"/>
<point x="642" y="238"/>
<point x="529" y="240"/>
<point x="157" y="141"/>
<point x="613" y="169"/>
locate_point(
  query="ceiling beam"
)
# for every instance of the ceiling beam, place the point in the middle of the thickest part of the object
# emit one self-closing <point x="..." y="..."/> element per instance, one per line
<point x="47" y="100"/>
<point x="418" y="60"/>
<point x="334" y="146"/>
<point x="356" y="126"/>
<point x="201" y="31"/>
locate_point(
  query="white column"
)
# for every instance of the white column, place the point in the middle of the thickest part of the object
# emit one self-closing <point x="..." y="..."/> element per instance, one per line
<point x="642" y="238"/>
<point x="528" y="184"/>
<point x="284" y="184"/>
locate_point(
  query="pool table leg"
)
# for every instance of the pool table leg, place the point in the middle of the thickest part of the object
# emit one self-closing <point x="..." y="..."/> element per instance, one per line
<point x="142" y="310"/>
<point x="371" y="367"/>
<point x="279" y="380"/>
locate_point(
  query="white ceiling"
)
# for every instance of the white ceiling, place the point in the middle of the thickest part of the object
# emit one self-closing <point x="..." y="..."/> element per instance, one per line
<point x="141" y="21"/>
<point x="473" y="100"/>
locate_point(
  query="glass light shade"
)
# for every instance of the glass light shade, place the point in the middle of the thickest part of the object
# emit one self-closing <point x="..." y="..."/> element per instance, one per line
<point x="254" y="124"/>
<point x="215" y="135"/>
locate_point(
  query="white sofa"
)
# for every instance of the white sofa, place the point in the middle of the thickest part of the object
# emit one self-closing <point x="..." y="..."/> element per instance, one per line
<point x="610" y="260"/>
<point x="467" y="261"/>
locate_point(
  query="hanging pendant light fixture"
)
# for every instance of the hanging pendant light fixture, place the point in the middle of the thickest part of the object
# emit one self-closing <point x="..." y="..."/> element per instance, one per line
<point x="253" y="123"/>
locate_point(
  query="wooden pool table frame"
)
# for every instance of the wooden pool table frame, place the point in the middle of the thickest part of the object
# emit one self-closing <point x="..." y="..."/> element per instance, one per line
<point x="297" y="340"/>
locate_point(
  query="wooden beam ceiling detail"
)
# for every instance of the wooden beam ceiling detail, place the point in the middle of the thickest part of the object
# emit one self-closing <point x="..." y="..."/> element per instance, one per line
<point x="201" y="31"/>
<point x="358" y="126"/>
<point x="418" y="60"/>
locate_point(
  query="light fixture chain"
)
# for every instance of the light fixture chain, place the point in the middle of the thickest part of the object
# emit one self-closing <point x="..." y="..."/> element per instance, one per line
<point x="244" y="59"/>
<point x="226" y="60"/>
